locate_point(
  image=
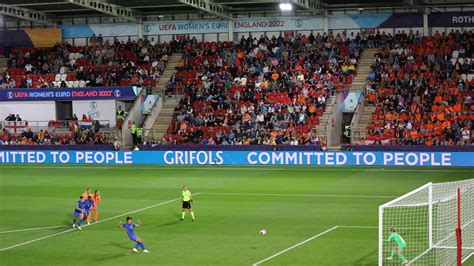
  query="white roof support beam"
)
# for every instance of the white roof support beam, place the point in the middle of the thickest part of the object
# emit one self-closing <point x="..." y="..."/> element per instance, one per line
<point x="207" y="6"/>
<point x="27" y="14"/>
<point x="307" y="4"/>
<point x="107" y="8"/>
<point x="416" y="5"/>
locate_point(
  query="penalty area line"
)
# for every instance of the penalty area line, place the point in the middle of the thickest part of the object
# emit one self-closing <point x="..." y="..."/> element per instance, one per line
<point x="101" y="221"/>
<point x="311" y="238"/>
<point x="295" y="246"/>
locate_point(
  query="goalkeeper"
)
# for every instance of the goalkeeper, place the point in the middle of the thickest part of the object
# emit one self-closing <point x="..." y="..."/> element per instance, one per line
<point x="398" y="249"/>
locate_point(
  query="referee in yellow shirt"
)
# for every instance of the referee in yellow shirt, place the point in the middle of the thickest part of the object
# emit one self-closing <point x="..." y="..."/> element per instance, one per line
<point x="187" y="200"/>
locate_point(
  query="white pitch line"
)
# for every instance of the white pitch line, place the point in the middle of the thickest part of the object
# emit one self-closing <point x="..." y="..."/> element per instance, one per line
<point x="101" y="221"/>
<point x="32" y="229"/>
<point x="295" y="246"/>
<point x="256" y="168"/>
<point x="298" y="195"/>
<point x="358" y="226"/>
<point x="465" y="259"/>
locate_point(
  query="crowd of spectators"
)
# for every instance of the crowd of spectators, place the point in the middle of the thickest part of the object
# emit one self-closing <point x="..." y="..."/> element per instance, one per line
<point x="101" y="63"/>
<point x="50" y="137"/>
<point x="422" y="89"/>
<point x="269" y="90"/>
<point x="13" y="117"/>
<point x="260" y="90"/>
<point x="78" y="132"/>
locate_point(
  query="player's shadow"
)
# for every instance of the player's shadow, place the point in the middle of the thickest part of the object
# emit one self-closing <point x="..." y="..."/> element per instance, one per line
<point x="175" y="222"/>
<point x="171" y="223"/>
<point x="67" y="219"/>
<point x="119" y="245"/>
<point x="367" y="259"/>
<point x="111" y="257"/>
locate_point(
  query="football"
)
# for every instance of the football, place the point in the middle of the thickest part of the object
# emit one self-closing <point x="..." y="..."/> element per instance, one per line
<point x="263" y="232"/>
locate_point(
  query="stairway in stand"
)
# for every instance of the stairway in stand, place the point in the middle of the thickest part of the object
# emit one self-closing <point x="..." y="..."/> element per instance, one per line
<point x="168" y="72"/>
<point x="170" y="102"/>
<point x="164" y="119"/>
<point x="359" y="132"/>
<point x="359" y="86"/>
<point x="324" y="119"/>
<point x="366" y="60"/>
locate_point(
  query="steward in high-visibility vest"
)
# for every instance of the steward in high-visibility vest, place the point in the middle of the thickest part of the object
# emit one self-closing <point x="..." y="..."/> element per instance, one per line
<point x="133" y="128"/>
<point x="120" y="113"/>
<point x="347" y="131"/>
<point x="133" y="131"/>
<point x="140" y="135"/>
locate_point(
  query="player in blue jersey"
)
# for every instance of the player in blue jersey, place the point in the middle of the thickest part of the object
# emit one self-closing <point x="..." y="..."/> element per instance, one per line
<point x="79" y="211"/>
<point x="129" y="228"/>
<point x="89" y="205"/>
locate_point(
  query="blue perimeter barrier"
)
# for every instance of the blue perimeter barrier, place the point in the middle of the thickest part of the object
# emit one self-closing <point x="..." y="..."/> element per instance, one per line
<point x="196" y="157"/>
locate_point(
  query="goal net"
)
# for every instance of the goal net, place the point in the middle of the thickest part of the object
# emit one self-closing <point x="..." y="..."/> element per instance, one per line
<point x="427" y="219"/>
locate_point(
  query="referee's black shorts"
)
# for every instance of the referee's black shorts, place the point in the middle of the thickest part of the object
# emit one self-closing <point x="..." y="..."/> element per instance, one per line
<point x="186" y="205"/>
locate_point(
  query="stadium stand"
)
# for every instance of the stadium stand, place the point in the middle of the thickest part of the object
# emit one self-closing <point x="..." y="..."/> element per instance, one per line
<point x="273" y="90"/>
<point x="260" y="90"/>
<point x="422" y="90"/>
<point x="100" y="64"/>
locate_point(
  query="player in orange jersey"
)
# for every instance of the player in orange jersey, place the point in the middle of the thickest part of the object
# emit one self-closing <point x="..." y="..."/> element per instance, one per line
<point x="86" y="195"/>
<point x="96" y="199"/>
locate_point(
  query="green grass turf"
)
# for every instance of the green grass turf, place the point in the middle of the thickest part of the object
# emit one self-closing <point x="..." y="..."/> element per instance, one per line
<point x="227" y="226"/>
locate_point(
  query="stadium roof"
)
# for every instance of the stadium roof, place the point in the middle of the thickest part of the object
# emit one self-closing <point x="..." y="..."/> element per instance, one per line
<point x="134" y="10"/>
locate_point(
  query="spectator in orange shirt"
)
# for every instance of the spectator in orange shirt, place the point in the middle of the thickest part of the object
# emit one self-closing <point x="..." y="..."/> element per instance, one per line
<point x="440" y="116"/>
<point x="457" y="107"/>
<point x="429" y="142"/>
<point x="372" y="97"/>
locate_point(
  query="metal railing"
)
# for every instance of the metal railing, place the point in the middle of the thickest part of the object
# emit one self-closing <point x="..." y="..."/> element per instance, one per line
<point x="355" y="119"/>
<point x="154" y="135"/>
<point x="59" y="125"/>
<point x="334" y="125"/>
<point x="153" y="115"/>
<point x="133" y="114"/>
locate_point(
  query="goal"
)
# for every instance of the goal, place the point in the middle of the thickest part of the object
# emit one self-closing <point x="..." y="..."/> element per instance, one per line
<point x="436" y="222"/>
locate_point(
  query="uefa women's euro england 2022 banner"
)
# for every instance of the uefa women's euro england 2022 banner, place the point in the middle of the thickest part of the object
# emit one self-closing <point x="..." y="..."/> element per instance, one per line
<point x="68" y="94"/>
<point x="273" y="24"/>
<point x="195" y="157"/>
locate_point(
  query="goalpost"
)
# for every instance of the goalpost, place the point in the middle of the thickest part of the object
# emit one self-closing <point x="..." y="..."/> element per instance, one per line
<point x="436" y="222"/>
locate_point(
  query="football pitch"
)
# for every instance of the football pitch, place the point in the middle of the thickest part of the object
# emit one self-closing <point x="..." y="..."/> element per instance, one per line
<point x="313" y="215"/>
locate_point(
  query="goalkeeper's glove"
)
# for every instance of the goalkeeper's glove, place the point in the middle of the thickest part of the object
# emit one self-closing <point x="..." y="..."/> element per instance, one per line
<point x="191" y="200"/>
